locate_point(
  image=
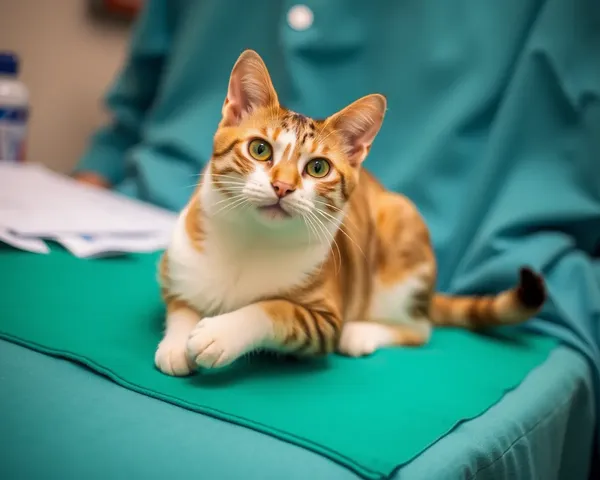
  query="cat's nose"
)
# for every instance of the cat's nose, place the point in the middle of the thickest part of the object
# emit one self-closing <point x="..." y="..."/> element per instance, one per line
<point x="282" y="189"/>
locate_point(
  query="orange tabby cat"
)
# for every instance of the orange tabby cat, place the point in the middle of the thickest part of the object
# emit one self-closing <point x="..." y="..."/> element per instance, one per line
<point x="289" y="245"/>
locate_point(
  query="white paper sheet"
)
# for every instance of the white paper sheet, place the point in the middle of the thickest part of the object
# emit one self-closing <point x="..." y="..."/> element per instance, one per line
<point x="35" y="201"/>
<point x="34" y="245"/>
<point x="83" y="247"/>
<point x="38" y="204"/>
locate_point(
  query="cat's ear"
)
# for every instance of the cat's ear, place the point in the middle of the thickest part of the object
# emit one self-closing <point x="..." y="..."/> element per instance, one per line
<point x="250" y="87"/>
<point x="359" y="124"/>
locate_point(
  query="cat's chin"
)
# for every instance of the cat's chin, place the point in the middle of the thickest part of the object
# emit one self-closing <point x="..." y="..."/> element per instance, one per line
<point x="273" y="213"/>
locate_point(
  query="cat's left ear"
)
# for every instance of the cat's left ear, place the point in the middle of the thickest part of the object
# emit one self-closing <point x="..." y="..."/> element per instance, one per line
<point x="359" y="124"/>
<point x="250" y="87"/>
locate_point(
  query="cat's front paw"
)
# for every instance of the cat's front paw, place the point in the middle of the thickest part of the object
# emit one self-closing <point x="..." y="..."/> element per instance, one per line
<point x="218" y="341"/>
<point x="171" y="357"/>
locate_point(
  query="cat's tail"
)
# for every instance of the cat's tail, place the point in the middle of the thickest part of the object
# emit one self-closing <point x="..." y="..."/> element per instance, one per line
<point x="506" y="308"/>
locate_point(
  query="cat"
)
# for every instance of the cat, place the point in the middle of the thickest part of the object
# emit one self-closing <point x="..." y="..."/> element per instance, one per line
<point x="288" y="245"/>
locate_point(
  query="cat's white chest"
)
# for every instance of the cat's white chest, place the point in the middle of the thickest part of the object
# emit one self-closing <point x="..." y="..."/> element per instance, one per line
<point x="214" y="281"/>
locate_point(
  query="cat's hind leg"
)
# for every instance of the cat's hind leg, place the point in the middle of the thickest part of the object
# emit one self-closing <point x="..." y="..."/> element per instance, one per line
<point x="403" y="281"/>
<point x="397" y="316"/>
<point x="363" y="338"/>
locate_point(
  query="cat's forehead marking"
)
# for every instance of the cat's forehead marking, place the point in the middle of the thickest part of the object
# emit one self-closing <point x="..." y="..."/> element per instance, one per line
<point x="308" y="136"/>
<point x="298" y="119"/>
<point x="285" y="144"/>
<point x="285" y="156"/>
<point x="303" y="127"/>
<point x="293" y="136"/>
<point x="298" y="122"/>
<point x="288" y="137"/>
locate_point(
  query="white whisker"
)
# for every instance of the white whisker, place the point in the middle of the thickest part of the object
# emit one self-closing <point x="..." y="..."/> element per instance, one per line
<point x="232" y="204"/>
<point x="238" y="180"/>
<point x="343" y="231"/>
<point x="236" y="189"/>
<point x="320" y="239"/>
<point x="330" y="236"/>
<point x="299" y="212"/>
<point x="241" y="205"/>
<point x="310" y="224"/>
<point x="233" y="177"/>
<point x="346" y="217"/>
<point x="320" y="138"/>
<point x="235" y="197"/>
<point x="232" y="183"/>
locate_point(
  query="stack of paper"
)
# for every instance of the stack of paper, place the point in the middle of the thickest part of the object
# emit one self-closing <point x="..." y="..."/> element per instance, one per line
<point x="37" y="204"/>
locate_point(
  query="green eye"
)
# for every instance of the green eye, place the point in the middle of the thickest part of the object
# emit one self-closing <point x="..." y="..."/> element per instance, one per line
<point x="260" y="150"/>
<point x="318" y="167"/>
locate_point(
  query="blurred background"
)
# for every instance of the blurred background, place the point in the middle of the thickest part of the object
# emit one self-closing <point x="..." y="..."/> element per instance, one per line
<point x="67" y="64"/>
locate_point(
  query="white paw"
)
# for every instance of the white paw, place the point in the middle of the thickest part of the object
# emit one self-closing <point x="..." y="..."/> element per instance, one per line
<point x="359" y="339"/>
<point x="171" y="357"/>
<point x="218" y="341"/>
<point x="363" y="338"/>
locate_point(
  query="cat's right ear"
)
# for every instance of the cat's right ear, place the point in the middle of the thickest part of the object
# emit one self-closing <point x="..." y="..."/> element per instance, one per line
<point x="250" y="87"/>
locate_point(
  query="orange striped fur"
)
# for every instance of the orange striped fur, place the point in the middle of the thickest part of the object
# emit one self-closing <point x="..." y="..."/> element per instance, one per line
<point x="289" y="245"/>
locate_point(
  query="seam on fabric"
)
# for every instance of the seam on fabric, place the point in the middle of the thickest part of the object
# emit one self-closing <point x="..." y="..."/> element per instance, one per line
<point x="301" y="442"/>
<point x="518" y="439"/>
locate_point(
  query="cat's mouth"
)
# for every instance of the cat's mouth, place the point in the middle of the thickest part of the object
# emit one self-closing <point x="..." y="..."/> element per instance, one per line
<point x="274" y="212"/>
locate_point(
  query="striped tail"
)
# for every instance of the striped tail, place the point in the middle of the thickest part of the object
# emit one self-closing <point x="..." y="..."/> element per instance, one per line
<point x="507" y="308"/>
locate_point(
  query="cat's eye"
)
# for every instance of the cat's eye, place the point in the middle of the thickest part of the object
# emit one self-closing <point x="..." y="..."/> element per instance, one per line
<point x="260" y="150"/>
<point x="318" y="167"/>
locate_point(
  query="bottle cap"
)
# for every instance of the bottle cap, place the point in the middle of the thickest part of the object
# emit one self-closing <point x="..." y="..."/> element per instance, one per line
<point x="9" y="63"/>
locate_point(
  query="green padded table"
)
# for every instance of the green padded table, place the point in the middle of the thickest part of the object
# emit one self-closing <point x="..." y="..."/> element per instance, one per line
<point x="367" y="417"/>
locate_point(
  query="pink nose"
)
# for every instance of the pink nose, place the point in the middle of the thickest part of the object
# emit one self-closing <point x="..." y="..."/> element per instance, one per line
<point x="282" y="189"/>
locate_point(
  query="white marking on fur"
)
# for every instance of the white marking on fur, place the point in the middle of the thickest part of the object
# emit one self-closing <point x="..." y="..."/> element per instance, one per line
<point x="286" y="138"/>
<point x="363" y="338"/>
<point x="393" y="304"/>
<point x="258" y="187"/>
<point x="171" y="357"/>
<point x="239" y="264"/>
<point x="218" y="341"/>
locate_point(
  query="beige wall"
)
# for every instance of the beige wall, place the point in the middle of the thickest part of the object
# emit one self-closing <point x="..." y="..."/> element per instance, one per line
<point x="68" y="60"/>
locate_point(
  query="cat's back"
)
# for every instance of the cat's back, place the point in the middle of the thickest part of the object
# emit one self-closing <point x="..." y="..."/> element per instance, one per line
<point x="372" y="196"/>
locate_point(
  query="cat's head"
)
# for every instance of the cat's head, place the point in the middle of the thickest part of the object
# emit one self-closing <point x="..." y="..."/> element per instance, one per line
<point x="282" y="168"/>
